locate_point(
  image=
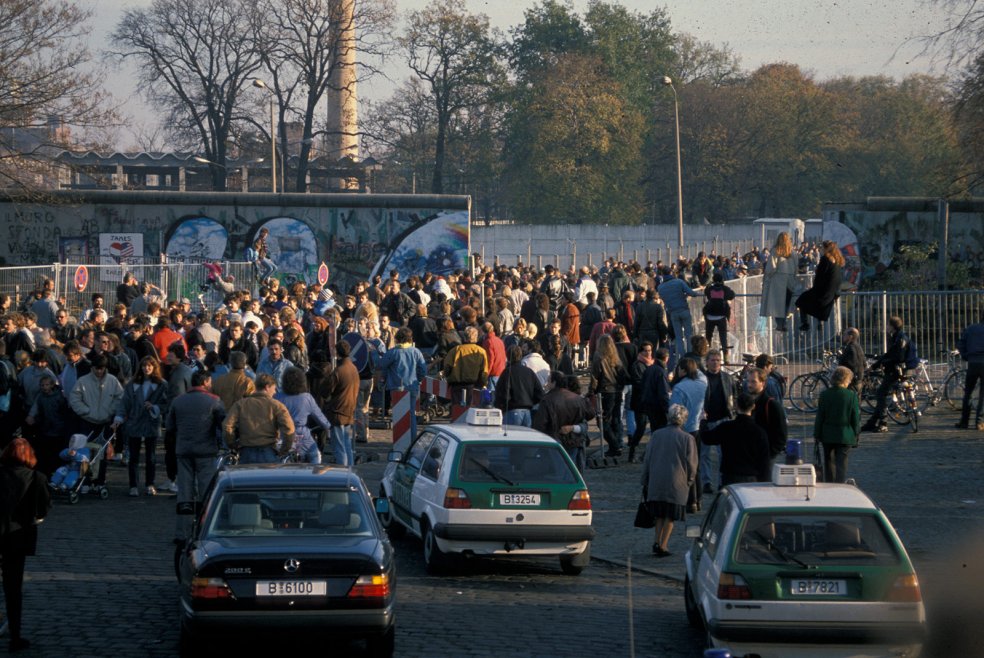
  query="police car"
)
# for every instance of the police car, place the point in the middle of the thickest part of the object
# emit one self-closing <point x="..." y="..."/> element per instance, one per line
<point x="800" y="568"/>
<point x="484" y="489"/>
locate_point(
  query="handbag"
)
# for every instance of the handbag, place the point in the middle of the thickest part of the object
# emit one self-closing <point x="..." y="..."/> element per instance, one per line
<point x="643" y="517"/>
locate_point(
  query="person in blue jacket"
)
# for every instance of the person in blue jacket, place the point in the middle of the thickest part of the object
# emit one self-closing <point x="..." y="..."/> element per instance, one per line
<point x="404" y="368"/>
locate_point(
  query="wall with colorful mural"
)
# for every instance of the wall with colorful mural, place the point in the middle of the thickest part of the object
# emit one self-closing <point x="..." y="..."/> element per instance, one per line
<point x="357" y="235"/>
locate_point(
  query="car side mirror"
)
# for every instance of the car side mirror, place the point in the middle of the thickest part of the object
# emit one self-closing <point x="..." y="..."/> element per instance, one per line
<point x="382" y="505"/>
<point x="693" y="531"/>
<point x="394" y="456"/>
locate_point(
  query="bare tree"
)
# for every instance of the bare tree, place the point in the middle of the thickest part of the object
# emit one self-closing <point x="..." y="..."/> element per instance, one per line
<point x="43" y="91"/>
<point x="195" y="59"/>
<point x="456" y="55"/>
<point x="302" y="44"/>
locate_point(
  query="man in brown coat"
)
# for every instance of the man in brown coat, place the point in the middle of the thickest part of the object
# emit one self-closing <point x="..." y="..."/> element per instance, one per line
<point x="340" y="390"/>
<point x="234" y="385"/>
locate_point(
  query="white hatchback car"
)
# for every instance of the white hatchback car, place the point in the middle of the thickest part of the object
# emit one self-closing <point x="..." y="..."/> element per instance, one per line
<point x="799" y="568"/>
<point x="484" y="489"/>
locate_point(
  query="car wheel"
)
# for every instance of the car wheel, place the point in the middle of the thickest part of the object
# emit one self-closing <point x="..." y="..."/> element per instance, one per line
<point x="382" y="646"/>
<point x="573" y="565"/>
<point x="435" y="559"/>
<point x="693" y="614"/>
<point x="393" y="528"/>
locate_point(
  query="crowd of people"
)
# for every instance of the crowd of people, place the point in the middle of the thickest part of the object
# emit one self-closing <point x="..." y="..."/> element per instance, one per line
<point x="269" y="371"/>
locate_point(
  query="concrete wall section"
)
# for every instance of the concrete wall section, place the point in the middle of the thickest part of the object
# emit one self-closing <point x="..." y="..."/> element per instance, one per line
<point x="355" y="234"/>
<point x="592" y="243"/>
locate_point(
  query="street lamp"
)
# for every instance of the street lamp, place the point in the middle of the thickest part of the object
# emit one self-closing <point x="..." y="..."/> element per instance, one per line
<point x="259" y="84"/>
<point x="668" y="81"/>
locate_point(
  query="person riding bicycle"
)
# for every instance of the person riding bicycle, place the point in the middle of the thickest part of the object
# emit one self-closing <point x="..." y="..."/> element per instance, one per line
<point x="893" y="361"/>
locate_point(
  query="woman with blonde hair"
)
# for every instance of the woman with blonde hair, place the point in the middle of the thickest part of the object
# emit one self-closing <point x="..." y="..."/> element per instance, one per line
<point x="819" y="300"/>
<point x="779" y="282"/>
<point x="608" y="378"/>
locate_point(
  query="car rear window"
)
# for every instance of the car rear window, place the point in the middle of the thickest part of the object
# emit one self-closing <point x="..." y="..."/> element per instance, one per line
<point x="272" y="512"/>
<point x="815" y="539"/>
<point x="515" y="463"/>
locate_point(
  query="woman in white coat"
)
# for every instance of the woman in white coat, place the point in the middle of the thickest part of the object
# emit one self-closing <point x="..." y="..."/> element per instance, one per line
<point x="779" y="285"/>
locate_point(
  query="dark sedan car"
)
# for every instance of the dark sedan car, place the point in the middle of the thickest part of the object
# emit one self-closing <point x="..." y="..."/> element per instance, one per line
<point x="294" y="546"/>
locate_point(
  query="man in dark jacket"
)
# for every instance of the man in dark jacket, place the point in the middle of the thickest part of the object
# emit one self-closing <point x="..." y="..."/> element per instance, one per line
<point x="768" y="412"/>
<point x="971" y="346"/>
<point x="893" y="364"/>
<point x="553" y="286"/>
<point x="194" y="420"/>
<point x="564" y="415"/>
<point x="744" y="445"/>
<point x="650" y="320"/>
<point x="341" y="391"/>
<point x="718" y="407"/>
<point x="655" y="396"/>
<point x="852" y="357"/>
<point x="517" y="391"/>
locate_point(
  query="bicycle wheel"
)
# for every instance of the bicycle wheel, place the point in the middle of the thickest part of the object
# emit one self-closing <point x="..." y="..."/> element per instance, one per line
<point x="896" y="409"/>
<point x="913" y="409"/>
<point x="953" y="389"/>
<point x="802" y="392"/>
<point x="869" y="390"/>
<point x="922" y="390"/>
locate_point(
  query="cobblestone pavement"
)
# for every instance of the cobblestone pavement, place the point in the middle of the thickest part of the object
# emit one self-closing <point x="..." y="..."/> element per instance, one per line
<point x="103" y="585"/>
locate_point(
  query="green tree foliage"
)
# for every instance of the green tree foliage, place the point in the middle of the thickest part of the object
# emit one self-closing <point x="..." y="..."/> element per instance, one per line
<point x="573" y="148"/>
<point x="456" y="55"/>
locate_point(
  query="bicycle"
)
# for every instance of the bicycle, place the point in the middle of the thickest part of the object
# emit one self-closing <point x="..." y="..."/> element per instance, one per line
<point x="949" y="391"/>
<point x="903" y="405"/>
<point x="805" y="390"/>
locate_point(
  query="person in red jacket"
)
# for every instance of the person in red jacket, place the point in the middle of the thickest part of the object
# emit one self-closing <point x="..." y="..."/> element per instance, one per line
<point x="496" y="351"/>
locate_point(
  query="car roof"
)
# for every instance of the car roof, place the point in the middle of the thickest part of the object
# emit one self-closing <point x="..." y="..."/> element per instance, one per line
<point x="767" y="495"/>
<point x="469" y="433"/>
<point x="288" y="475"/>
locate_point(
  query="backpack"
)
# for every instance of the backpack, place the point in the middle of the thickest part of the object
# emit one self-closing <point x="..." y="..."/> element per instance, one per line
<point x="911" y="354"/>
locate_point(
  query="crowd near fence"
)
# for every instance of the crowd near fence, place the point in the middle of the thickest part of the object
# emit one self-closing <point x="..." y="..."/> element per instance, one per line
<point x="934" y="319"/>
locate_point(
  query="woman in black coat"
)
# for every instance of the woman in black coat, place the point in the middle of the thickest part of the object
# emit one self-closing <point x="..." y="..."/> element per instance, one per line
<point x="24" y="502"/>
<point x="819" y="300"/>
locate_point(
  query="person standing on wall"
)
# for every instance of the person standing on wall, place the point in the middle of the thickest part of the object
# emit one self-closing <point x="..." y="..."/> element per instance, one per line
<point x="779" y="282"/>
<point x="819" y="300"/>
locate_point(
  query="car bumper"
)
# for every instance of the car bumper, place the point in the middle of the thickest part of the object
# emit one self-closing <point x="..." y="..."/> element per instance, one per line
<point x="355" y="623"/>
<point x="800" y="632"/>
<point x="514" y="534"/>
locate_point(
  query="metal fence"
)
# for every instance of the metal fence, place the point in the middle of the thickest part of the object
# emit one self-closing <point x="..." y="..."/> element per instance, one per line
<point x="933" y="319"/>
<point x="177" y="280"/>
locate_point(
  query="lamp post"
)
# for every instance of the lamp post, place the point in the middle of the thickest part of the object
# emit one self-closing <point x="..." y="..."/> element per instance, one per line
<point x="668" y="81"/>
<point x="259" y="84"/>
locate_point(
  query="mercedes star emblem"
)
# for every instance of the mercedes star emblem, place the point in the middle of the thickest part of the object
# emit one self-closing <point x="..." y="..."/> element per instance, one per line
<point x="291" y="565"/>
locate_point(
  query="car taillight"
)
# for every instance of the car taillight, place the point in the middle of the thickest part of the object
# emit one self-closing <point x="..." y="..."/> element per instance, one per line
<point x="905" y="589"/>
<point x="733" y="586"/>
<point x="210" y="588"/>
<point x="369" y="587"/>
<point x="456" y="499"/>
<point x="580" y="500"/>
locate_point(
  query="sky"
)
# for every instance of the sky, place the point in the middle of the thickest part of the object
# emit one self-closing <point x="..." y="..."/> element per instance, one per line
<point x="824" y="37"/>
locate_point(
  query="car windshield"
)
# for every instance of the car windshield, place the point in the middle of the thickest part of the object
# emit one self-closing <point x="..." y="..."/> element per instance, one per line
<point x="515" y="463"/>
<point x="803" y="539"/>
<point x="271" y="512"/>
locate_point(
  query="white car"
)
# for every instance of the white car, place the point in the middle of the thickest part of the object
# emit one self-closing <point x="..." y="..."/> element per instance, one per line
<point x="484" y="489"/>
<point x="800" y="568"/>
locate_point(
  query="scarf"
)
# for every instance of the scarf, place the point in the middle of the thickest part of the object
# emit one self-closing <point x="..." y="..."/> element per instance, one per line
<point x="648" y="360"/>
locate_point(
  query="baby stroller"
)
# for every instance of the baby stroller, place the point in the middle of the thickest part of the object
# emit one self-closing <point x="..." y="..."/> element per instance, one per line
<point x="97" y="444"/>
